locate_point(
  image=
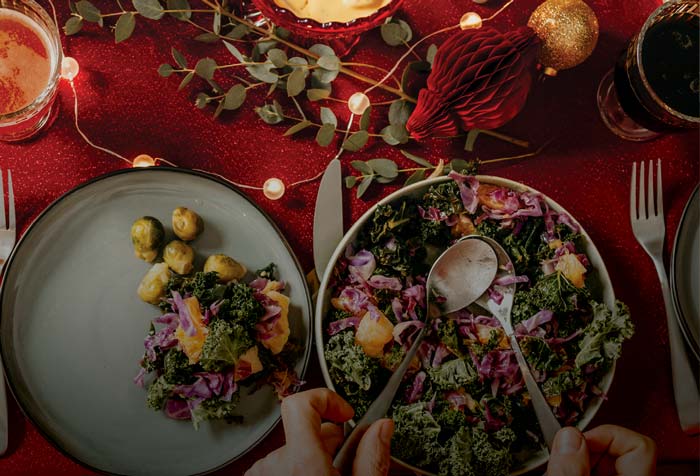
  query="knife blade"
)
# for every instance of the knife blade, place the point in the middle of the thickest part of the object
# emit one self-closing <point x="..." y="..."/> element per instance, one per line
<point x="328" y="217"/>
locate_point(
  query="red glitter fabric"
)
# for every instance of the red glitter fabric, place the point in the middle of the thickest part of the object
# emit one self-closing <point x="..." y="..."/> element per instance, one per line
<point x="126" y="106"/>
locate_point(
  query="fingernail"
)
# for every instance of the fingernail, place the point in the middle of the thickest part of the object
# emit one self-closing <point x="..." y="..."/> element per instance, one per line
<point x="568" y="441"/>
<point x="386" y="432"/>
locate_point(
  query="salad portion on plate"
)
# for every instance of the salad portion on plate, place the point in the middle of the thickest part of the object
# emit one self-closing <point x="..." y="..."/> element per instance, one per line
<point x="217" y="332"/>
<point x="463" y="408"/>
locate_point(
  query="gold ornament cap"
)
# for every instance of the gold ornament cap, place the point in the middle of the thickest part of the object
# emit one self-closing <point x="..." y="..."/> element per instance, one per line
<point x="568" y="30"/>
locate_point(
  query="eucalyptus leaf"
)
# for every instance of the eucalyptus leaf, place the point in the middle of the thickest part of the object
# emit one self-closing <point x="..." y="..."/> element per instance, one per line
<point x="356" y="141"/>
<point x="365" y="119"/>
<point x="406" y="28"/>
<point x="151" y="9"/>
<point x="325" y="76"/>
<point x="278" y="57"/>
<point x="350" y="181"/>
<point x="296" y="82"/>
<point x="325" y="135"/>
<point x="238" y="32"/>
<point x="384" y="167"/>
<point x="207" y="38"/>
<point x="384" y="180"/>
<point x="364" y="185"/>
<point x="393" y="34"/>
<point x="297" y="128"/>
<point x="88" y="11"/>
<point x="388" y="137"/>
<point x="399" y="112"/>
<point x="416" y="159"/>
<point x="317" y="94"/>
<point x="328" y="62"/>
<point x="363" y="167"/>
<point x="415" y="177"/>
<point x="165" y="70"/>
<point x="263" y="72"/>
<point x="185" y="81"/>
<point x="201" y="101"/>
<point x="183" y="5"/>
<point x="263" y="46"/>
<point x="124" y="27"/>
<point x="216" y="25"/>
<point x="322" y="50"/>
<point x="278" y="107"/>
<point x="458" y="165"/>
<point x="72" y="8"/>
<point x="270" y="114"/>
<point x="328" y="117"/>
<point x="205" y="68"/>
<point x="235" y="52"/>
<point x="282" y="32"/>
<point x="430" y="55"/>
<point x="316" y="83"/>
<point x="471" y="139"/>
<point x="235" y="97"/>
<point x="73" y="26"/>
<point x="179" y="58"/>
<point x="395" y="134"/>
<point x="299" y="63"/>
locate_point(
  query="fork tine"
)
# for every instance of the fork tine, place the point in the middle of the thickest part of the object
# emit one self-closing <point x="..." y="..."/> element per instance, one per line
<point x="642" y="193"/>
<point x="2" y="203"/>
<point x="11" y="200"/>
<point x="650" y="189"/>
<point x="659" y="190"/>
<point x="633" y="193"/>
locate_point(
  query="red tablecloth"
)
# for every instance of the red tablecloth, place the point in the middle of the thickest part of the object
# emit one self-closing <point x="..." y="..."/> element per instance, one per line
<point x="126" y="106"/>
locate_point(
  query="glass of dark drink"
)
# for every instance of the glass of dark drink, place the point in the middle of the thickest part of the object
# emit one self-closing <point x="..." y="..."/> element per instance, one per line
<point x="654" y="87"/>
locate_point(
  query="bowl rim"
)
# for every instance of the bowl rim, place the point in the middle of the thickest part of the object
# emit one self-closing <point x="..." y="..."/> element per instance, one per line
<point x="272" y="11"/>
<point x="540" y="458"/>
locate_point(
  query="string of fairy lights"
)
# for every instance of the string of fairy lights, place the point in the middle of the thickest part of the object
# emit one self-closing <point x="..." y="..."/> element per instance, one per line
<point x="272" y="188"/>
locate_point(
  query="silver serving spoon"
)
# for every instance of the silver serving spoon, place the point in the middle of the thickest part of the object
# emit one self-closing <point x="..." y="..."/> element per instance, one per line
<point x="548" y="422"/>
<point x="461" y="274"/>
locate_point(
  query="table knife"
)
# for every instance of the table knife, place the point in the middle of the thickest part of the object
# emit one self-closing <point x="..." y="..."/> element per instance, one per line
<point x="328" y="217"/>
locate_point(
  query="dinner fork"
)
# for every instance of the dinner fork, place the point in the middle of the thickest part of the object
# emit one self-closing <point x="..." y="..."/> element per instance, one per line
<point x="649" y="229"/>
<point x="8" y="235"/>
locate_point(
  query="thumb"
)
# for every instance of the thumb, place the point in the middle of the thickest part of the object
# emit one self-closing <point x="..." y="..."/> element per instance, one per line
<point x="373" y="453"/>
<point x="569" y="456"/>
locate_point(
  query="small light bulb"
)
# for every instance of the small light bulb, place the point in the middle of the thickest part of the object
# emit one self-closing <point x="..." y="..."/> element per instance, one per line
<point x="143" y="160"/>
<point x="470" y="20"/>
<point x="273" y="188"/>
<point x="358" y="103"/>
<point x="69" y="68"/>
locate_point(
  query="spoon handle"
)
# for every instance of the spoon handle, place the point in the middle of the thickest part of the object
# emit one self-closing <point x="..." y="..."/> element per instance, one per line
<point x="377" y="410"/>
<point x="548" y="422"/>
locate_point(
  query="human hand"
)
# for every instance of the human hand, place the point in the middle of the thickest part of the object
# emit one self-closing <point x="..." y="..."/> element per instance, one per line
<point x="311" y="443"/>
<point x="607" y="450"/>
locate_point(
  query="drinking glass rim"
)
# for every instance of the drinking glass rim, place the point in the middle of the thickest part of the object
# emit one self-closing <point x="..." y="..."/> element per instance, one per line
<point x="55" y="39"/>
<point x="642" y="73"/>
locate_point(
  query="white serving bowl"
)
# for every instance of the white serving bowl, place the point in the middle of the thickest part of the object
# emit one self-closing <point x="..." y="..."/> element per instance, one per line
<point x="417" y="190"/>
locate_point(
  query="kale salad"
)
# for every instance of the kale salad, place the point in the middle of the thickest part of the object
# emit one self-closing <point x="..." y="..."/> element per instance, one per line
<point x="463" y="408"/>
<point x="217" y="333"/>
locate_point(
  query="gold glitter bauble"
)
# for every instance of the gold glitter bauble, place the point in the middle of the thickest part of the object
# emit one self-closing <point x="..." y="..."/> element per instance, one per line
<point x="568" y="30"/>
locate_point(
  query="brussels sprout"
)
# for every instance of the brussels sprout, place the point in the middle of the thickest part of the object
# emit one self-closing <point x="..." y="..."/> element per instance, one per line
<point x="225" y="267"/>
<point x="179" y="256"/>
<point x="147" y="235"/>
<point x="187" y="225"/>
<point x="154" y="285"/>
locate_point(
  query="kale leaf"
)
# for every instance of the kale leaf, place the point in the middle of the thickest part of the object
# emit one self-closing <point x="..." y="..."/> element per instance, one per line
<point x="416" y="435"/>
<point x="176" y="368"/>
<point x="540" y="355"/>
<point x="203" y="286"/>
<point x="453" y="374"/>
<point x="240" y="305"/>
<point x="562" y="383"/>
<point x="553" y="292"/>
<point x="217" y="409"/>
<point x="224" y="344"/>
<point x="349" y="365"/>
<point x="602" y="341"/>
<point x="158" y="392"/>
<point x="445" y="197"/>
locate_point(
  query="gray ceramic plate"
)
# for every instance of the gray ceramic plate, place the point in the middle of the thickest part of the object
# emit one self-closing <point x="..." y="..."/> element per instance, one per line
<point x="606" y="292"/>
<point x="685" y="273"/>
<point x="72" y="325"/>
